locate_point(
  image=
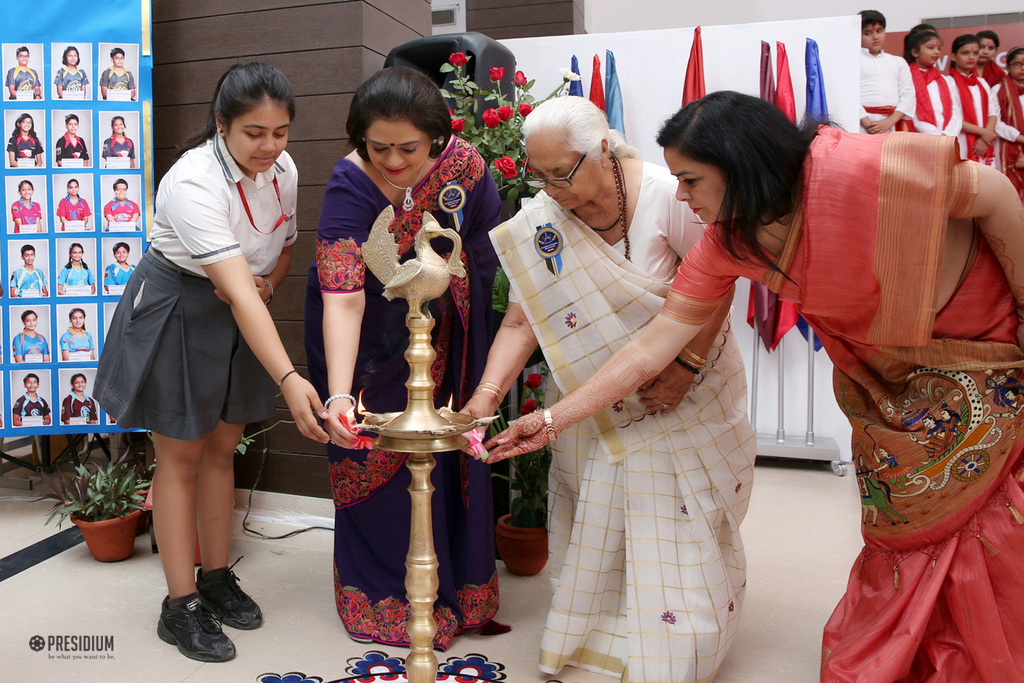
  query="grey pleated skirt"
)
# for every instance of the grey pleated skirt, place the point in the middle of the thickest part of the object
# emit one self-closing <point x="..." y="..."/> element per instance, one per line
<point x="174" y="361"/>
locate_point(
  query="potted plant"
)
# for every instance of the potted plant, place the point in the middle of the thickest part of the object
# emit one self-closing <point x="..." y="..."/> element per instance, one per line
<point x="104" y="501"/>
<point x="522" y="536"/>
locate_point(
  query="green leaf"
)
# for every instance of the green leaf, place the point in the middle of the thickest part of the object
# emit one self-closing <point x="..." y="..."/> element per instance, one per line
<point x="445" y="93"/>
<point x="446" y="68"/>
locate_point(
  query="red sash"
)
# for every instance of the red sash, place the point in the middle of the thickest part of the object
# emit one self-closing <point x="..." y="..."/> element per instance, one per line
<point x="992" y="74"/>
<point x="925" y="112"/>
<point x="1012" y="115"/>
<point x="904" y="125"/>
<point x="963" y="86"/>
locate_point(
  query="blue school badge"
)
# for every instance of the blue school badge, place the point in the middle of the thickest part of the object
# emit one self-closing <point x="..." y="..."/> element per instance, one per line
<point x="451" y="200"/>
<point x="549" y="244"/>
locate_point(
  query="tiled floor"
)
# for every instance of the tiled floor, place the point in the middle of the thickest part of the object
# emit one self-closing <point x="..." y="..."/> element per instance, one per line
<point x="801" y="536"/>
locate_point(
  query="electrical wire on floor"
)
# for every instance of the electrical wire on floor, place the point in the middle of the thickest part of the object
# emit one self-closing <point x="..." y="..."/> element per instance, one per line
<point x="248" y="506"/>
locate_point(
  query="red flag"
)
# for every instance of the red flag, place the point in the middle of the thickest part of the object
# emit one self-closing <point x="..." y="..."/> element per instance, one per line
<point x="693" y="86"/>
<point x="784" y="96"/>
<point x="597" y="85"/>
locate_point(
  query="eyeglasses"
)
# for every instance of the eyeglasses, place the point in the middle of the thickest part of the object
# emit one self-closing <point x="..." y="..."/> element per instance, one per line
<point x="553" y="182"/>
<point x="1015" y="65"/>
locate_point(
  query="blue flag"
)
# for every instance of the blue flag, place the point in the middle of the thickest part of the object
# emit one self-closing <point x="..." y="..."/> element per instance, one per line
<point x="612" y="94"/>
<point x="817" y="105"/>
<point x="576" y="87"/>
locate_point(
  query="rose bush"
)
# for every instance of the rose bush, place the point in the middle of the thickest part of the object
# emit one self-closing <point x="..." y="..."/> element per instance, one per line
<point x="497" y="131"/>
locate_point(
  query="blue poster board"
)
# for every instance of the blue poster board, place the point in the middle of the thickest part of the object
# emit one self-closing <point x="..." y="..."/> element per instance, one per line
<point x="77" y="200"/>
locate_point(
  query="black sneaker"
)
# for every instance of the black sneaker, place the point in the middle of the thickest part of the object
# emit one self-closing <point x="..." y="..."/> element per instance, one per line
<point x="195" y="631"/>
<point x="229" y="602"/>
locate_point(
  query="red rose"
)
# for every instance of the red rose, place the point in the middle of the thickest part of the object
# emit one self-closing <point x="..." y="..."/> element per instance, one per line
<point x="524" y="109"/>
<point x="491" y="118"/>
<point x="533" y="381"/>
<point x="505" y="113"/>
<point x="519" y="79"/>
<point x="458" y="125"/>
<point x="529" y="406"/>
<point x="497" y="73"/>
<point x="457" y="58"/>
<point x="507" y="167"/>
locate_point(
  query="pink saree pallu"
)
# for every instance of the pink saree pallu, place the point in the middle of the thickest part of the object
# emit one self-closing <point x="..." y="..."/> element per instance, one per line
<point x="934" y="397"/>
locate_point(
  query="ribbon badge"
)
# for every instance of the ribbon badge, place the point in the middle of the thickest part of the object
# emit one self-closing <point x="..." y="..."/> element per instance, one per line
<point x="451" y="200"/>
<point x="549" y="244"/>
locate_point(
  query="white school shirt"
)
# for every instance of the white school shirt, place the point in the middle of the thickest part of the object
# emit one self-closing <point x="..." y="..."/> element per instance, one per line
<point x="1004" y="130"/>
<point x="979" y="90"/>
<point x="956" y="120"/>
<point x="200" y="218"/>
<point x="885" y="81"/>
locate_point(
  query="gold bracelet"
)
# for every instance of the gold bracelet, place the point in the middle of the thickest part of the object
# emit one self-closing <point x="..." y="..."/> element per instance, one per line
<point x="699" y="361"/>
<point x="549" y="425"/>
<point x="486" y="386"/>
<point x="1020" y="313"/>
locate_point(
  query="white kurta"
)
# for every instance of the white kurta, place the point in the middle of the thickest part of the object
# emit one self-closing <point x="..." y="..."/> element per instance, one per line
<point x="885" y="81"/>
<point x="645" y="554"/>
<point x="979" y="91"/>
<point x="956" y="119"/>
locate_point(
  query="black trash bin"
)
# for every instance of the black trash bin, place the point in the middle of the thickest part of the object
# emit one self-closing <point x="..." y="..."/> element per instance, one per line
<point x="429" y="53"/>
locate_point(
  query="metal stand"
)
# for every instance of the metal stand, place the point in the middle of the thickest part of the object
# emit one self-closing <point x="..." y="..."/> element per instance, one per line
<point x="70" y="452"/>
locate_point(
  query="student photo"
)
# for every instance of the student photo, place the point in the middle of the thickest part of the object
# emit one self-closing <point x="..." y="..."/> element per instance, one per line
<point x="119" y="150"/>
<point x="122" y="212"/>
<point x="28" y="206"/>
<point x="77" y="343"/>
<point x="29" y="407"/>
<point x="76" y="278"/>
<point x="30" y="326"/>
<point x="73" y="208"/>
<point x="23" y="64"/>
<point x="77" y="407"/>
<point x="72" y="64"/>
<point x="25" y="144"/>
<point x="118" y="263"/>
<point x="73" y="130"/>
<point x="27" y="280"/>
<point x="117" y="81"/>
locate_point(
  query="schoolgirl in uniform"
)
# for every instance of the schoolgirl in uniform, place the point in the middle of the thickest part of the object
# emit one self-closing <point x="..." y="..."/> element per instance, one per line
<point x="73" y="207"/>
<point x="77" y="339"/>
<point x="938" y="102"/>
<point x="193" y="354"/>
<point x="78" y="404"/>
<point x="24" y="143"/>
<point x="119" y="145"/>
<point x="70" y="77"/>
<point x="980" y="107"/>
<point x="76" y="273"/>
<point x="27" y="214"/>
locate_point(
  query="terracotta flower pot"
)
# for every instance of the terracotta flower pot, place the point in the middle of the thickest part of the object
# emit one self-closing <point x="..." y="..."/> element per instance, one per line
<point x="523" y="550"/>
<point x="111" y="540"/>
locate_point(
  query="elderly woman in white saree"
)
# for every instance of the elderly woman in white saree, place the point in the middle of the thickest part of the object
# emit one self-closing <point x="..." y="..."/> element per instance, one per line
<point x="646" y="497"/>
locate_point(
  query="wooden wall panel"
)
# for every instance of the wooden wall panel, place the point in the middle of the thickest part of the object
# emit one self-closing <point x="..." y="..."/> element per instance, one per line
<point x="326" y="48"/>
<point x="502" y="19"/>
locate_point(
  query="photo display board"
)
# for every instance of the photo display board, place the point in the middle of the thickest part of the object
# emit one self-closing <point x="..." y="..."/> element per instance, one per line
<point x="77" y="193"/>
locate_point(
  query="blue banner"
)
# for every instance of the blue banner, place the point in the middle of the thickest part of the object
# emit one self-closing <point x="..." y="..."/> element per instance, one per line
<point x="78" y="190"/>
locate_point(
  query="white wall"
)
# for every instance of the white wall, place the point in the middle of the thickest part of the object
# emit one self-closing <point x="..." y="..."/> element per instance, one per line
<point x="651" y="67"/>
<point x="606" y="16"/>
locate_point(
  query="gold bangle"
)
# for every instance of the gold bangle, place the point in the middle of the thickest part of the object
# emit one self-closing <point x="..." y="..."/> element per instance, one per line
<point x="486" y="386"/>
<point x="1020" y="313"/>
<point x="549" y="425"/>
<point x="698" y="361"/>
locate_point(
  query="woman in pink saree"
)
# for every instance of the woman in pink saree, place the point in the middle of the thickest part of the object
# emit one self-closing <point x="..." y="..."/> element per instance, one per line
<point x="909" y="264"/>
